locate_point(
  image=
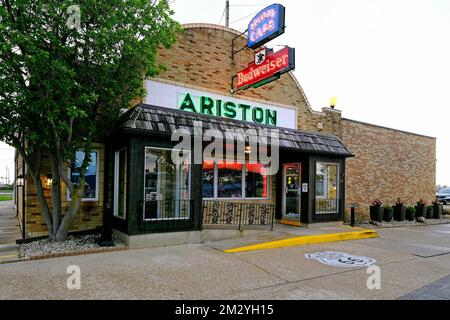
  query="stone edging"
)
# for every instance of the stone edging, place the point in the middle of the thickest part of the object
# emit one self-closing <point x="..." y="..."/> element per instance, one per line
<point x="74" y="253"/>
<point x="371" y="226"/>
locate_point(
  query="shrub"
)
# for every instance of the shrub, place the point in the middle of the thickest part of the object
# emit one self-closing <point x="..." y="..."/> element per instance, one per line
<point x="410" y="213"/>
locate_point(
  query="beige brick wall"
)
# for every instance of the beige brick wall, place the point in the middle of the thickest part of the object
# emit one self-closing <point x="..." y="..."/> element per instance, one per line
<point x="90" y="215"/>
<point x="201" y="58"/>
<point x="387" y="164"/>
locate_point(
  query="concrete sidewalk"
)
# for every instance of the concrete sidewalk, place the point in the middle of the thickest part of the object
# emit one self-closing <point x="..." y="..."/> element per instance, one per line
<point x="9" y="232"/>
<point x="199" y="272"/>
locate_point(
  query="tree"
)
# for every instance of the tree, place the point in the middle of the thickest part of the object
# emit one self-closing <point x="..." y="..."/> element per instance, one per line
<point x="67" y="70"/>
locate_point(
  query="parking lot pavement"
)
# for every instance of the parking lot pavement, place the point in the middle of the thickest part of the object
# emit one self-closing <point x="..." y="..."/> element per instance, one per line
<point x="203" y="272"/>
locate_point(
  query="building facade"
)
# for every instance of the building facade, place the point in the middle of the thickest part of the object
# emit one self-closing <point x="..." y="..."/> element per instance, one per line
<point x="325" y="162"/>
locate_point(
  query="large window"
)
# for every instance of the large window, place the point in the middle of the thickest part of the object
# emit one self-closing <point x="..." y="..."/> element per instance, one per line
<point x="235" y="180"/>
<point x="166" y="186"/>
<point x="326" y="187"/>
<point x="91" y="177"/>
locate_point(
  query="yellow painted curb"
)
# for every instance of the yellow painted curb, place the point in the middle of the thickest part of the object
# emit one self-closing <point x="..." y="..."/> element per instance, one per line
<point x="304" y="240"/>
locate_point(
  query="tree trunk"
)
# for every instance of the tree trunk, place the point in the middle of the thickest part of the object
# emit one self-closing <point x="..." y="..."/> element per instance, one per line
<point x="43" y="204"/>
<point x="56" y="197"/>
<point x="71" y="212"/>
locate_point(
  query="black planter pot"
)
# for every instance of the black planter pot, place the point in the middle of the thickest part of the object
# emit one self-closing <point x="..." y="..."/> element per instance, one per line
<point x="388" y="214"/>
<point x="399" y="212"/>
<point x="376" y="213"/>
<point x="429" y="212"/>
<point x="421" y="211"/>
<point x="437" y="211"/>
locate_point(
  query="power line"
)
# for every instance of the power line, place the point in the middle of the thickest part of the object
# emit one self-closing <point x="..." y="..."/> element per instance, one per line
<point x="251" y="14"/>
<point x="223" y="12"/>
<point x="246" y="5"/>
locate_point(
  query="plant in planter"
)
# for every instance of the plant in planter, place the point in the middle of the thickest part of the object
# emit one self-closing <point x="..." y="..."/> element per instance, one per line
<point x="421" y="208"/>
<point x="410" y="213"/>
<point x="437" y="209"/>
<point x="388" y="213"/>
<point x="399" y="210"/>
<point x="429" y="212"/>
<point x="376" y="211"/>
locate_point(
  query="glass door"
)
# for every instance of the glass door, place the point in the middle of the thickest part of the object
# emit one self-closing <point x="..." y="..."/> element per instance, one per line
<point x="291" y="191"/>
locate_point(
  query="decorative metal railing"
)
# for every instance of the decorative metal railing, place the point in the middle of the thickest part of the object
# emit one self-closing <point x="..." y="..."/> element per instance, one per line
<point x="166" y="215"/>
<point x="237" y="215"/>
<point x="327" y="209"/>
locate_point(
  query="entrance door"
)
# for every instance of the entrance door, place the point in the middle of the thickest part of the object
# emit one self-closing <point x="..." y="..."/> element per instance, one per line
<point x="291" y="191"/>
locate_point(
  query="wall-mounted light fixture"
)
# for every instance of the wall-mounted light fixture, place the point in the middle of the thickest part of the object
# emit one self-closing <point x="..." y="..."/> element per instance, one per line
<point x="19" y="180"/>
<point x="333" y="101"/>
<point x="49" y="181"/>
<point x="248" y="149"/>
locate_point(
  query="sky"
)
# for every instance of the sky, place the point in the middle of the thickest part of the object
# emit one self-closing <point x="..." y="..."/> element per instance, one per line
<point x="6" y="163"/>
<point x="387" y="62"/>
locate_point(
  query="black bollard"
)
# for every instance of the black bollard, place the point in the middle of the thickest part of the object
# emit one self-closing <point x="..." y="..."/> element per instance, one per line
<point x="352" y="216"/>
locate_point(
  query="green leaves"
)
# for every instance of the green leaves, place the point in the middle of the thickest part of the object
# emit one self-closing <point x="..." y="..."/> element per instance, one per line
<point x="71" y="83"/>
<point x="64" y="77"/>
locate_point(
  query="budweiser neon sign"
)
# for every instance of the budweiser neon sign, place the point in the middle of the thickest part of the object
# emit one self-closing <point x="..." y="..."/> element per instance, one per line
<point x="268" y="70"/>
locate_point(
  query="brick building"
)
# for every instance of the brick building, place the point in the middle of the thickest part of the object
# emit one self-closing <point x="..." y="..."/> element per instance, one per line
<point x="325" y="161"/>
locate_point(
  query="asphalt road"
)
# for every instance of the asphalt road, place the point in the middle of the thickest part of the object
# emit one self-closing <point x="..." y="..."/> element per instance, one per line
<point x="414" y="264"/>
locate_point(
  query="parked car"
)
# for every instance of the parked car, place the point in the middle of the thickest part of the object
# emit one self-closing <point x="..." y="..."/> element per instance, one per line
<point x="443" y="195"/>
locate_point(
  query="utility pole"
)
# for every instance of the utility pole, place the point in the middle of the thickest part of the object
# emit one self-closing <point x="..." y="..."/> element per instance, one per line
<point x="227" y="13"/>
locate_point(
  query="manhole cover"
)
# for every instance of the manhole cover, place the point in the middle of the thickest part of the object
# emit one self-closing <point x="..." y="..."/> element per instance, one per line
<point x="341" y="259"/>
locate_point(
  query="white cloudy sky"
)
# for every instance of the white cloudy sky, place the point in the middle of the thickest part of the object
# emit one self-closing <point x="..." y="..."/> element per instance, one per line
<point x="387" y="61"/>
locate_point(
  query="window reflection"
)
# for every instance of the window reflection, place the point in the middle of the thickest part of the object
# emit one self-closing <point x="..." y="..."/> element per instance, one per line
<point x="256" y="180"/>
<point x="229" y="180"/>
<point x="90" y="187"/>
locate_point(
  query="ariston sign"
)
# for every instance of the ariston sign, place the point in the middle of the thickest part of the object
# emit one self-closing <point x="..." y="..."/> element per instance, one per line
<point x="208" y="103"/>
<point x="266" y="25"/>
<point x="262" y="72"/>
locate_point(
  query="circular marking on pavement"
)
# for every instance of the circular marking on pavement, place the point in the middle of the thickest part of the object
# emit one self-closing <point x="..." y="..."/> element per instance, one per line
<point x="341" y="259"/>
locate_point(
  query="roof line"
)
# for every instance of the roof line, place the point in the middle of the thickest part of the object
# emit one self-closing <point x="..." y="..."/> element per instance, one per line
<point x="387" y="128"/>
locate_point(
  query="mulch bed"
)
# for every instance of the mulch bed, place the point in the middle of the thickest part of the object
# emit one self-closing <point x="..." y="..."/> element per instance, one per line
<point x="43" y="249"/>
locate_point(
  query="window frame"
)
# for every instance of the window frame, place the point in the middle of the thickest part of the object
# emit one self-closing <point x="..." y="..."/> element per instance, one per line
<point x="97" y="178"/>
<point x="325" y="184"/>
<point x="116" y="183"/>
<point x="189" y="187"/>
<point x="243" y="185"/>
